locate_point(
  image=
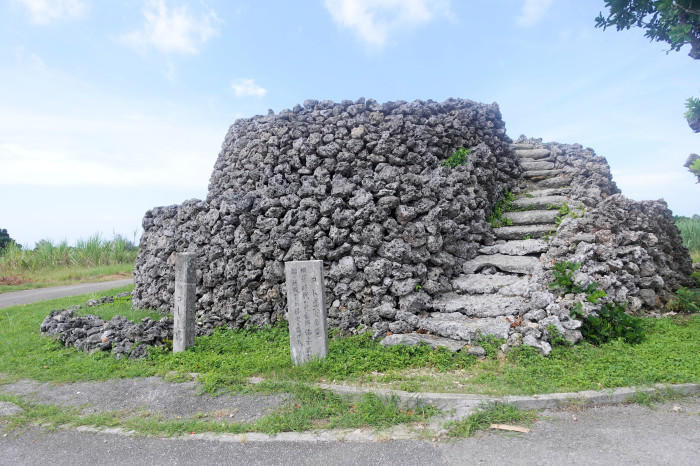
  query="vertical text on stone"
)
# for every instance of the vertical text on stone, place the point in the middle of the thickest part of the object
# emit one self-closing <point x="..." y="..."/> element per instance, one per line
<point x="306" y="310"/>
<point x="184" y="297"/>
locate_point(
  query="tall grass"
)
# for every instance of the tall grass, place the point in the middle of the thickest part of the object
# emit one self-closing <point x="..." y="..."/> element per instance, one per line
<point x="690" y="232"/>
<point x="92" y="252"/>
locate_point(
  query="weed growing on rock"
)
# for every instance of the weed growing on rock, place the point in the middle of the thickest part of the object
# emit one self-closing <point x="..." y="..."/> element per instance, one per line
<point x="611" y="321"/>
<point x="504" y="205"/>
<point x="458" y="158"/>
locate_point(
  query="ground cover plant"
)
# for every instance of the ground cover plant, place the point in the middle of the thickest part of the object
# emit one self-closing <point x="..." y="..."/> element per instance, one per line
<point x="51" y="263"/>
<point x="227" y="358"/>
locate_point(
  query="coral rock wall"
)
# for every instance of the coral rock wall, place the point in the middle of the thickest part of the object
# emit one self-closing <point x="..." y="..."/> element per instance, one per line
<point x="358" y="185"/>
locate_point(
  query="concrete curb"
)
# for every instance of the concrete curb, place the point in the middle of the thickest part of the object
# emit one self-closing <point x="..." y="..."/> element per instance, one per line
<point x="464" y="404"/>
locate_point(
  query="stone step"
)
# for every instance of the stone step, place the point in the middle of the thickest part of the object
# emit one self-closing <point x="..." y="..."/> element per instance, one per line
<point x="477" y="283"/>
<point x="531" y="217"/>
<point x="547" y="192"/>
<point x="524" y="231"/>
<point x="532" y="153"/>
<point x="556" y="182"/>
<point x="481" y="305"/>
<point x="519" y="247"/>
<point x="415" y="339"/>
<point x="460" y="327"/>
<point x="541" y="174"/>
<point x="521" y="145"/>
<point x="512" y="264"/>
<point x="536" y="165"/>
<point x="540" y="202"/>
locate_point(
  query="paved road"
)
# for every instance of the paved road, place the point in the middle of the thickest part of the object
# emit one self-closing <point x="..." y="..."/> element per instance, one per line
<point x="614" y="435"/>
<point x="15" y="298"/>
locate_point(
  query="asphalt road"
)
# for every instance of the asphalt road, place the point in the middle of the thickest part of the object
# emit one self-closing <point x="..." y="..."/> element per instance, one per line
<point x="16" y="298"/>
<point x="610" y="435"/>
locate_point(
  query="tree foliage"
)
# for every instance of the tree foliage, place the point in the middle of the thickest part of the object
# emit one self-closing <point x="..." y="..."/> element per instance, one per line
<point x="676" y="22"/>
<point x="5" y="239"/>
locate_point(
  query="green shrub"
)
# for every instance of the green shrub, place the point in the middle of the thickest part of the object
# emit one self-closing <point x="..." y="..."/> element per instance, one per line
<point x="611" y="323"/>
<point x="686" y="301"/>
<point x="458" y="157"/>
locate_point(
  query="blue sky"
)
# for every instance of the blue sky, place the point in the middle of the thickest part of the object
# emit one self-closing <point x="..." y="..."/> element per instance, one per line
<point x="110" y="108"/>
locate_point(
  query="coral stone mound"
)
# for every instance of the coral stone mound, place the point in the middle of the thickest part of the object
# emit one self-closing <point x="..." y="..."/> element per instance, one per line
<point x="359" y="185"/>
<point x="410" y="243"/>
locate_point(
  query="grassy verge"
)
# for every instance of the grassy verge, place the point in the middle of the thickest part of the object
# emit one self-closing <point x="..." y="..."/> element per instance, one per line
<point x="66" y="276"/>
<point x="225" y="359"/>
<point x="50" y="264"/>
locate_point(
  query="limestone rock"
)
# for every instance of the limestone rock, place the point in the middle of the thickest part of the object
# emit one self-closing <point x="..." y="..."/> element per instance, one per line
<point x="415" y="339"/>
<point x="516" y="247"/>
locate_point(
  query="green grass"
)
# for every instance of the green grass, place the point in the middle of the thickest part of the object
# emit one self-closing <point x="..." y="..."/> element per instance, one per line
<point x="495" y="413"/>
<point x="225" y="359"/>
<point x="690" y="232"/>
<point x="55" y="264"/>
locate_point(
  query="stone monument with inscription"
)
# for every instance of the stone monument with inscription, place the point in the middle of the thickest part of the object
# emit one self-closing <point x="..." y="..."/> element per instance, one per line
<point x="185" y="289"/>
<point x="306" y="310"/>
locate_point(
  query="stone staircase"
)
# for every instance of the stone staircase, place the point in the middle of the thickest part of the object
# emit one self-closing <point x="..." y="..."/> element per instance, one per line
<point x="493" y="294"/>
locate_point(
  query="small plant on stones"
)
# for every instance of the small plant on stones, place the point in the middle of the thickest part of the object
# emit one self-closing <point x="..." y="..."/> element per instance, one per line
<point x="686" y="301"/>
<point x="504" y="205"/>
<point x="611" y="321"/>
<point x="555" y="336"/>
<point x="458" y="158"/>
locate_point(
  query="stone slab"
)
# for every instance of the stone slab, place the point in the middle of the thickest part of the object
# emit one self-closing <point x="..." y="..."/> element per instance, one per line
<point x="521" y="145"/>
<point x="184" y="301"/>
<point x="415" y="339"/>
<point x="521" y="247"/>
<point x="523" y="231"/>
<point x="541" y="173"/>
<point x="480" y="305"/>
<point x="537" y="165"/>
<point x="531" y="217"/>
<point x="306" y="314"/>
<point x="532" y="153"/>
<point x="482" y="284"/>
<point x="457" y="326"/>
<point x="555" y="182"/>
<point x="548" y="192"/>
<point x="540" y="202"/>
<point x="512" y="264"/>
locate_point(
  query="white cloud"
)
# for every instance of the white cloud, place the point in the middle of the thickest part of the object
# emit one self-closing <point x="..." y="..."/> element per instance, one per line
<point x="532" y="12"/>
<point x="374" y="20"/>
<point x="47" y="11"/>
<point x="248" y="87"/>
<point x="172" y="30"/>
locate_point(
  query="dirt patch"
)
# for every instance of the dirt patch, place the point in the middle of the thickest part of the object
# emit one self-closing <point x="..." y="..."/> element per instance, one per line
<point x="14" y="280"/>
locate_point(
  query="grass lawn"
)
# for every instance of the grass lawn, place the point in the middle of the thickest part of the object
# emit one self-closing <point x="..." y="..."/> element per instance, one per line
<point x="225" y="359"/>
